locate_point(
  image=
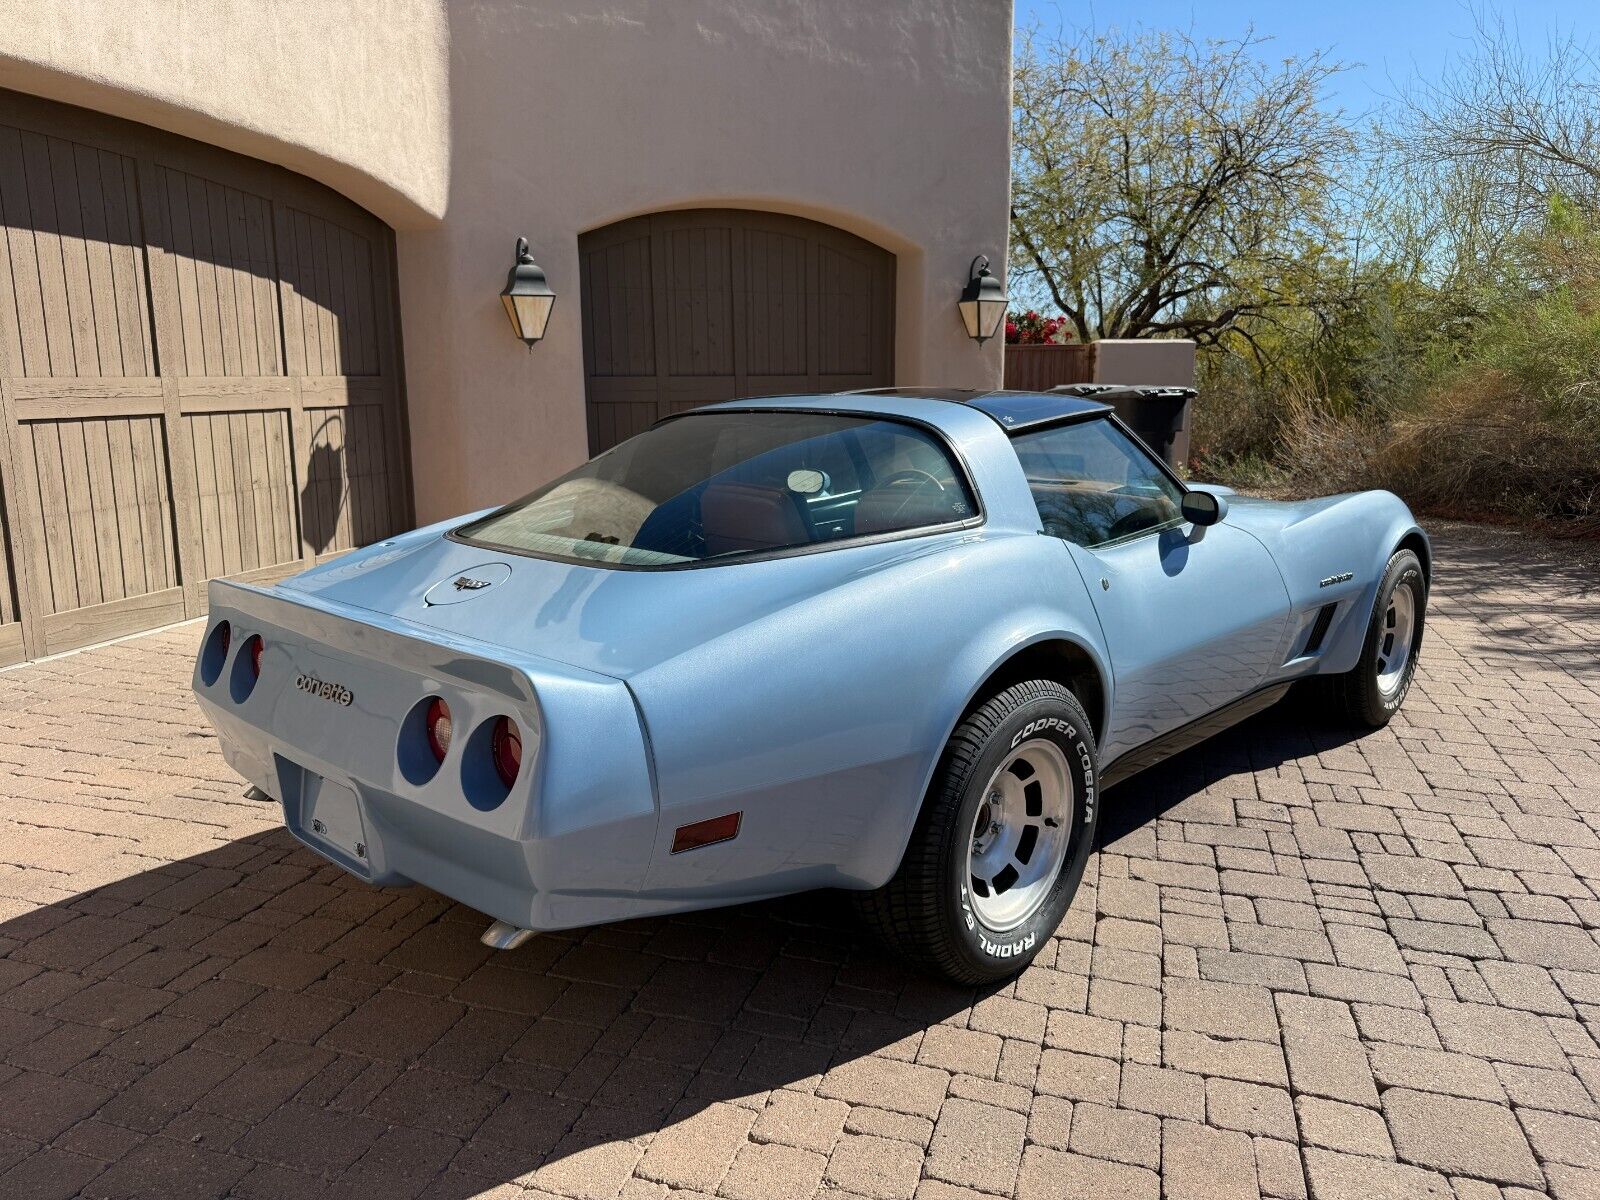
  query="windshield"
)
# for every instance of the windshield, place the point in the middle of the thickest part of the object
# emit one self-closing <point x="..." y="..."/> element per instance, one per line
<point x="718" y="484"/>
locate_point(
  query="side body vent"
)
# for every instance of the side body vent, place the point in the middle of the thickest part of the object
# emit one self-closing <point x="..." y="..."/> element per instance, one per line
<point x="1319" y="629"/>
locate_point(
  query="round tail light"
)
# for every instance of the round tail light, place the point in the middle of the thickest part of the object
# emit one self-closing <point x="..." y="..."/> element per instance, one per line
<point x="438" y="725"/>
<point x="214" y="653"/>
<point x="506" y="746"/>
<point x="256" y="647"/>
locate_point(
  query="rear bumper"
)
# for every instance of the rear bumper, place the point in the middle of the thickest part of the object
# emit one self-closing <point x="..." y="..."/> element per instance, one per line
<point x="567" y="846"/>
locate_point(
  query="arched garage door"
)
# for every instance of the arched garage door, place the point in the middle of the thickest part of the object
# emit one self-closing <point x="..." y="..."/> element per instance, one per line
<point x="688" y="308"/>
<point x="198" y="375"/>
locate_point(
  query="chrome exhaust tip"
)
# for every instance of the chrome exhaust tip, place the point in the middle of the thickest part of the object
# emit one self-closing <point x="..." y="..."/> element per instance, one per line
<point x="255" y="793"/>
<point x="503" y="935"/>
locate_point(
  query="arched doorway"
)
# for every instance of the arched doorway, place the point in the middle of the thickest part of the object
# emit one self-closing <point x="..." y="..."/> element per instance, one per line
<point x="691" y="307"/>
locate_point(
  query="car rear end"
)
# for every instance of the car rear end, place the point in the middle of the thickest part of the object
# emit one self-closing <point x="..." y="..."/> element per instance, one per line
<point x="406" y="753"/>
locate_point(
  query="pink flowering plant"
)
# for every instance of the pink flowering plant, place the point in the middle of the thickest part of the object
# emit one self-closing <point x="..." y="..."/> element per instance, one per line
<point x="1030" y="329"/>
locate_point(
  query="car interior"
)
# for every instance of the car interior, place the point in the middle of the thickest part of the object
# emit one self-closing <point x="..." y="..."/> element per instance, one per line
<point x="737" y="483"/>
<point x="878" y="479"/>
<point x="1094" y="486"/>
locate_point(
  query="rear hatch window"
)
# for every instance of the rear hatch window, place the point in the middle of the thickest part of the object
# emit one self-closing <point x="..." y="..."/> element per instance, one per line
<point x="722" y="485"/>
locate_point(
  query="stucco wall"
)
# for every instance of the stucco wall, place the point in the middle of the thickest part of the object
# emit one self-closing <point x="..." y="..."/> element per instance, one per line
<point x="891" y="120"/>
<point x="1164" y="361"/>
<point x="467" y="123"/>
<point x="353" y="93"/>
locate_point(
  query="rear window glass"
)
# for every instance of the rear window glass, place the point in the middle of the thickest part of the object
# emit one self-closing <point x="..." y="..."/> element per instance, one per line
<point x="715" y="485"/>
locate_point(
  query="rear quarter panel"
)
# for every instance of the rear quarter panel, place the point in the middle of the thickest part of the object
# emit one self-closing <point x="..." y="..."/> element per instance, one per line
<point x="823" y="722"/>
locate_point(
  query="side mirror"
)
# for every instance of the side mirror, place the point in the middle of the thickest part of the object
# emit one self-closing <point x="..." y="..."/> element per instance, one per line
<point x="1204" y="508"/>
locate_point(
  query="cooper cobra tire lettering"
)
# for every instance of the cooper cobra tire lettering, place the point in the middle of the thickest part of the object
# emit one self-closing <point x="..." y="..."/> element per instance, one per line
<point x="1029" y="939"/>
<point x="1011" y="949"/>
<point x="1042" y="724"/>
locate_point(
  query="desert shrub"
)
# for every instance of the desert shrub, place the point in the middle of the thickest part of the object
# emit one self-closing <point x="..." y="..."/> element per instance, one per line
<point x="1483" y="446"/>
<point x="1325" y="452"/>
<point x="1480" y="401"/>
<point x="1236" y="422"/>
<point x="1514" y="429"/>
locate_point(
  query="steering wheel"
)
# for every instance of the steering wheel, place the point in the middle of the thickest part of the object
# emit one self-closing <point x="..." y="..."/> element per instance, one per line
<point x="912" y="475"/>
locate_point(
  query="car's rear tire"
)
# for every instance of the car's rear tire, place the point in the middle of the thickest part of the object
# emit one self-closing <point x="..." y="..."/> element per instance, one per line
<point x="1002" y="840"/>
<point x="1372" y="693"/>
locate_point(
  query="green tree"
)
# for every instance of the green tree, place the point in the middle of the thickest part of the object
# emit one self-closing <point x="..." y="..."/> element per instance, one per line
<point x="1167" y="186"/>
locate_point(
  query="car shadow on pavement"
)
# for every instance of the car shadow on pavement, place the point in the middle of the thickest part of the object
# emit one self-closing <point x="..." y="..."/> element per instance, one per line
<point x="251" y="1018"/>
<point x="252" y="1021"/>
<point x="1291" y="729"/>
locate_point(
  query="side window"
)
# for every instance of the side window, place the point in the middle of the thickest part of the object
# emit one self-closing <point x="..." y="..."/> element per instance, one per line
<point x="1094" y="486"/>
<point x="907" y="480"/>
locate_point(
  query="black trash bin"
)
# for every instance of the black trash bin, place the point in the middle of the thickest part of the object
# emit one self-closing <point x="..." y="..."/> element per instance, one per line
<point x="1159" y="415"/>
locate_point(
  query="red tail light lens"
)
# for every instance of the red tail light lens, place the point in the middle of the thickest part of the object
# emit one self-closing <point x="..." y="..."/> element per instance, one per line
<point x="256" y="647"/>
<point x="506" y="746"/>
<point x="439" y="730"/>
<point x="706" y="833"/>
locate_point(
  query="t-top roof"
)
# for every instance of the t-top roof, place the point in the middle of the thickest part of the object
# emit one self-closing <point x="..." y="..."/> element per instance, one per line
<point x="1013" y="410"/>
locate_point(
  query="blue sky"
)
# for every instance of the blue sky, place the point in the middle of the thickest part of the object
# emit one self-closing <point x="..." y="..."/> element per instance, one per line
<point x="1387" y="42"/>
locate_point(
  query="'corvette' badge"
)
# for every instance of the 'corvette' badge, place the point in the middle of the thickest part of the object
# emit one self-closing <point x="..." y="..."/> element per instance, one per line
<point x="323" y="690"/>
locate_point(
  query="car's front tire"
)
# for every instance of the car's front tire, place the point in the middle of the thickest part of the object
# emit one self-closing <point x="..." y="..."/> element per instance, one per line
<point x="1372" y="693"/>
<point x="1002" y="840"/>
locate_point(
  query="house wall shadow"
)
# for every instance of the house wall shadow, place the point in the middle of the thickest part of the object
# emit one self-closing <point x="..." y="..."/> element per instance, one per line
<point x="252" y="1011"/>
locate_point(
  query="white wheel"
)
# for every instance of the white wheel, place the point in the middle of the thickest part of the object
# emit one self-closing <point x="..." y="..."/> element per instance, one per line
<point x="1002" y="840"/>
<point x="1372" y="691"/>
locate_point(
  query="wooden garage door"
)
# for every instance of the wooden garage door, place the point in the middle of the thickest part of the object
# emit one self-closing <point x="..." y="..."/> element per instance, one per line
<point x="198" y="375"/>
<point x="689" y="308"/>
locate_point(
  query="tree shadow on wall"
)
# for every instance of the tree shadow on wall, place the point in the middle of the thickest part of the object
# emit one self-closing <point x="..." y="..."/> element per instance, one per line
<point x="324" y="496"/>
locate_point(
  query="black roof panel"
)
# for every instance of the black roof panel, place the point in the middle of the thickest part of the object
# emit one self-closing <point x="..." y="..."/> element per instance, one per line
<point x="1012" y="410"/>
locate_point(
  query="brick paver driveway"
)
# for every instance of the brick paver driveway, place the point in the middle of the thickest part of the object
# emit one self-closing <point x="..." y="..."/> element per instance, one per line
<point x="1363" y="967"/>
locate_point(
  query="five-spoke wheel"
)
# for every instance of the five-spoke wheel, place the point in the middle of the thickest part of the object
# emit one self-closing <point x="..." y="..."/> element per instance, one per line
<point x="1395" y="635"/>
<point x="1373" y="690"/>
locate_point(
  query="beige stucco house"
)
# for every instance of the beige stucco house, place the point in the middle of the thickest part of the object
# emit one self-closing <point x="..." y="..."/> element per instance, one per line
<point x="253" y="256"/>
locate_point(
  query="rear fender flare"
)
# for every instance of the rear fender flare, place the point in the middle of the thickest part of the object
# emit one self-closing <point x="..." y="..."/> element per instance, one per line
<point x="985" y="655"/>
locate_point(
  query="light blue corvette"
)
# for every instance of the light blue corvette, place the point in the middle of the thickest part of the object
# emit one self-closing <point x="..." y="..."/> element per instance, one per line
<point x="893" y="642"/>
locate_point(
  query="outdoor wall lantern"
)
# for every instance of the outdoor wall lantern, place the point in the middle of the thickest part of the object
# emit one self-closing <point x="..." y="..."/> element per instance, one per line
<point x="528" y="298"/>
<point x="983" y="301"/>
